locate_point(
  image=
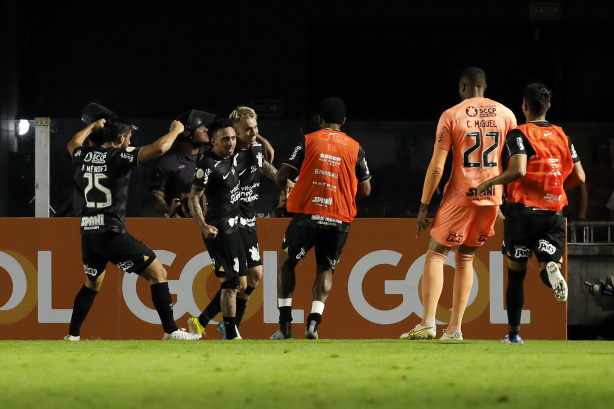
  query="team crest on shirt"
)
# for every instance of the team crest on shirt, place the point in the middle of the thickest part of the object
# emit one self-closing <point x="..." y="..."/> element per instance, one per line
<point x="254" y="253"/>
<point x="125" y="265"/>
<point x="519" y="143"/>
<point x="259" y="158"/>
<point x="235" y="264"/>
<point x="471" y="111"/>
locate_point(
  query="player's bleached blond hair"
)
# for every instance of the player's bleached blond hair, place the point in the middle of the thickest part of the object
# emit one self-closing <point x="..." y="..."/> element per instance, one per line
<point x="241" y="113"/>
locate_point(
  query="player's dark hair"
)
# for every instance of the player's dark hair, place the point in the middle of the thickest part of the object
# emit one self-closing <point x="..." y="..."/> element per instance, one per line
<point x="474" y="75"/>
<point x="537" y="97"/>
<point x="332" y="110"/>
<point x="220" y="123"/>
<point x="114" y="127"/>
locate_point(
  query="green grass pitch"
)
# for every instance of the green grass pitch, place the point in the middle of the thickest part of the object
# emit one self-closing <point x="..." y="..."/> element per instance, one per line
<point x="306" y="374"/>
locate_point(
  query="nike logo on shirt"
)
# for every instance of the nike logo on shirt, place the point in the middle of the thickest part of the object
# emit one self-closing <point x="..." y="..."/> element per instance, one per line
<point x="549" y="133"/>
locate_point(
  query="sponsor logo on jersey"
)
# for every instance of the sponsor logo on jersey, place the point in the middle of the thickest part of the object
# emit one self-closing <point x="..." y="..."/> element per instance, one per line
<point x="547" y="133"/>
<point x="326" y="173"/>
<point x="130" y="148"/>
<point x="92" y="222"/>
<point x="99" y="157"/>
<point x="454" y="237"/>
<point x="472" y="192"/>
<point x="295" y="152"/>
<point x="522" y="252"/>
<point x="322" y="201"/>
<point x="550" y="196"/>
<point x="488" y="111"/>
<point x="546" y="247"/>
<point x="77" y="152"/>
<point x="127" y="156"/>
<point x="444" y="130"/>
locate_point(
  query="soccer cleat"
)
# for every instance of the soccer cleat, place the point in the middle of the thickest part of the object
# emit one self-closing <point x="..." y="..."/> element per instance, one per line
<point x="278" y="335"/>
<point x="557" y="281"/>
<point x="458" y="336"/>
<point x="420" y="332"/>
<point x="221" y="328"/>
<point x="195" y="327"/>
<point x="513" y="340"/>
<point x="72" y="338"/>
<point x="181" y="335"/>
<point x="311" y="332"/>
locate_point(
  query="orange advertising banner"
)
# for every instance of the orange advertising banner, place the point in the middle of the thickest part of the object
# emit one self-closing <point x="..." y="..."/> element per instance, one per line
<point x="376" y="286"/>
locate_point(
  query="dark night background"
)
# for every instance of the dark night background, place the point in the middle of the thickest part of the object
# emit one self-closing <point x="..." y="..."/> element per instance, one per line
<point x="395" y="63"/>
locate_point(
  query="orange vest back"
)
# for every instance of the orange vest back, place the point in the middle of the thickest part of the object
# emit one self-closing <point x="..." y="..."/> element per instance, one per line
<point x="542" y="186"/>
<point x="327" y="181"/>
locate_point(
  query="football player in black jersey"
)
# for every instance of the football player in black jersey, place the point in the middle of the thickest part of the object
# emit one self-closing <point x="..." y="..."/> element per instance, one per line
<point x="251" y="163"/>
<point x="103" y="179"/>
<point x="217" y="178"/>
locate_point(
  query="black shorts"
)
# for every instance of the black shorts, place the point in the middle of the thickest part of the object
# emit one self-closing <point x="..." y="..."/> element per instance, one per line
<point x="121" y="249"/>
<point x="228" y="254"/>
<point x="528" y="230"/>
<point x="249" y="238"/>
<point x="302" y="235"/>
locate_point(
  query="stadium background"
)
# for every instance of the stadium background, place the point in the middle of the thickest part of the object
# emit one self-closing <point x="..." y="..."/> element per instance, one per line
<point x="396" y="63"/>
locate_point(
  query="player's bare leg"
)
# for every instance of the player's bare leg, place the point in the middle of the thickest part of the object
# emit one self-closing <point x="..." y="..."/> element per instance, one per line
<point x="463" y="282"/>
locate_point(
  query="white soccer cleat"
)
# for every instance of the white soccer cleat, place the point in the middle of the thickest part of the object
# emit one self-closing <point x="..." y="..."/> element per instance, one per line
<point x="72" y="338"/>
<point x="181" y="335"/>
<point x="457" y="336"/>
<point x="557" y="281"/>
<point x="420" y="332"/>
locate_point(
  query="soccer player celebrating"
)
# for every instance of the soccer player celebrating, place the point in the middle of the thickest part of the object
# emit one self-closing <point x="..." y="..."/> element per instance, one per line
<point x="332" y="172"/>
<point x="217" y="178"/>
<point x="543" y="163"/>
<point x="102" y="179"/>
<point x="250" y="165"/>
<point x="475" y="130"/>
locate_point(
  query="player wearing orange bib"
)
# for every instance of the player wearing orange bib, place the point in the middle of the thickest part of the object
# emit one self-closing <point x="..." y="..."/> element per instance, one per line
<point x="543" y="163"/>
<point x="475" y="130"/>
<point x="332" y="171"/>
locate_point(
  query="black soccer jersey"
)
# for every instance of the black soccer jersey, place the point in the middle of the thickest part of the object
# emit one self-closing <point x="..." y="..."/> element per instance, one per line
<point x="220" y="179"/>
<point x="249" y="163"/>
<point x="102" y="180"/>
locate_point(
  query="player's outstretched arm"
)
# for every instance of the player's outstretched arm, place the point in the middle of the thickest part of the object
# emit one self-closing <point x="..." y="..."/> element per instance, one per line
<point x="517" y="169"/>
<point x="80" y="136"/>
<point x="161" y="146"/>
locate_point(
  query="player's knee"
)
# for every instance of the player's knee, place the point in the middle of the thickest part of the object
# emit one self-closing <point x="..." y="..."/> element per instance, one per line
<point x="231" y="284"/>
